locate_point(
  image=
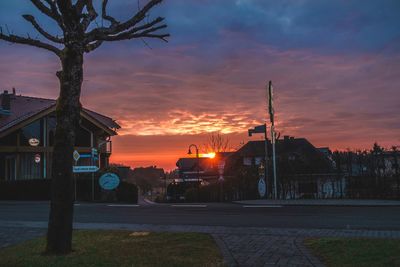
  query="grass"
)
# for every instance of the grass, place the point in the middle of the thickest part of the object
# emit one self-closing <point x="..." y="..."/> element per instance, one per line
<point x="119" y="248"/>
<point x="358" y="252"/>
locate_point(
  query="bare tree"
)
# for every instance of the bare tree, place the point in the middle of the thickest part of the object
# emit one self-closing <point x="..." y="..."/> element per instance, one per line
<point x="217" y="142"/>
<point x="75" y="19"/>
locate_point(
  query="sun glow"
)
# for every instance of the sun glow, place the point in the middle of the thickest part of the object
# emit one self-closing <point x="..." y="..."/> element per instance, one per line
<point x="210" y="155"/>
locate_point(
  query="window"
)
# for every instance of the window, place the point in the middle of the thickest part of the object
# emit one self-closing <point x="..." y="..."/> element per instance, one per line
<point x="29" y="168"/>
<point x="83" y="138"/>
<point x="32" y="131"/>
<point x="9" y="140"/>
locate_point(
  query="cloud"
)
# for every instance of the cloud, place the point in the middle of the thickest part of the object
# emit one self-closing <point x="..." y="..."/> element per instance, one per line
<point x="334" y="65"/>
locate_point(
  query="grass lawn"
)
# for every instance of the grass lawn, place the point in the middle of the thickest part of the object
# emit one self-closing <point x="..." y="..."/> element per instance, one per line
<point x="358" y="252"/>
<point x="119" y="248"/>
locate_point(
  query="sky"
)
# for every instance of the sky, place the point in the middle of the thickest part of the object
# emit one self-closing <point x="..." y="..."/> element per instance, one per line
<point x="335" y="67"/>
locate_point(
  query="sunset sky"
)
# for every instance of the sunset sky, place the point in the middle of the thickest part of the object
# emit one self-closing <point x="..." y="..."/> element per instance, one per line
<point x="335" y="66"/>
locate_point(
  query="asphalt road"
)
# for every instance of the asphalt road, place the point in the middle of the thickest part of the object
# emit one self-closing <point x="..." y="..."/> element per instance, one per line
<point x="215" y="214"/>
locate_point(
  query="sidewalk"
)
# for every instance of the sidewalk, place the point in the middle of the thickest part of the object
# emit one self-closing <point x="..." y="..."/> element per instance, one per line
<point x="322" y="202"/>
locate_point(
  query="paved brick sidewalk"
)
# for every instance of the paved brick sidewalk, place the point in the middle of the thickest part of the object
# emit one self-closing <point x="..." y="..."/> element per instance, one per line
<point x="262" y="250"/>
<point x="240" y="246"/>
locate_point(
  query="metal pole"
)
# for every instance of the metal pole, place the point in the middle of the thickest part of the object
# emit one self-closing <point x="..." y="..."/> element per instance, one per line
<point x="93" y="186"/>
<point x="198" y="173"/>
<point x="271" y="115"/>
<point x="165" y="185"/>
<point x="75" y="185"/>
<point x="274" y="161"/>
<point x="266" y="161"/>
<point x="92" y="163"/>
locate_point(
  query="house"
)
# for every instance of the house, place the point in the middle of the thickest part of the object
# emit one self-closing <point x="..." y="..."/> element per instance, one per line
<point x="302" y="169"/>
<point x="27" y="126"/>
<point x="202" y="169"/>
<point x="194" y="172"/>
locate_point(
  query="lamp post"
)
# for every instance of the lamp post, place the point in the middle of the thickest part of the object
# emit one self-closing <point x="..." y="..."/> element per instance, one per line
<point x="198" y="166"/>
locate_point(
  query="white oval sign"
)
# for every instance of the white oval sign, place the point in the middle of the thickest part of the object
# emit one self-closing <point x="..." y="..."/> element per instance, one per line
<point x="34" y="142"/>
<point x="262" y="187"/>
<point x="37" y="158"/>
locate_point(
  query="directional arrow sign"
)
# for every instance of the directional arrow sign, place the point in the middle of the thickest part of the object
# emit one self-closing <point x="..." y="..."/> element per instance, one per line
<point x="78" y="169"/>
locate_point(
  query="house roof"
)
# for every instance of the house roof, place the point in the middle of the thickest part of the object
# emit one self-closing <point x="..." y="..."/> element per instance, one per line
<point x="257" y="148"/>
<point x="23" y="108"/>
<point x="285" y="147"/>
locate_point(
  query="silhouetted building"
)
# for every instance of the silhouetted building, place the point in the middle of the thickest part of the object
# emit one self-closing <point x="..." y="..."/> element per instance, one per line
<point x="302" y="169"/>
<point x="204" y="168"/>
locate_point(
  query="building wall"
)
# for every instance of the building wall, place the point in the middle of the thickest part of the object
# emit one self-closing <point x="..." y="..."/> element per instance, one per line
<point x="16" y="151"/>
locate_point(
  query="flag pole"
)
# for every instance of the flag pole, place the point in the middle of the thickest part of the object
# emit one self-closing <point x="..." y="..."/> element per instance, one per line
<point x="271" y="115"/>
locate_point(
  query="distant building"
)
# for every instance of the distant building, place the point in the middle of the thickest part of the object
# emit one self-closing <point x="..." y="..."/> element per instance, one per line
<point x="204" y="168"/>
<point x="302" y="169"/>
<point x="27" y="126"/>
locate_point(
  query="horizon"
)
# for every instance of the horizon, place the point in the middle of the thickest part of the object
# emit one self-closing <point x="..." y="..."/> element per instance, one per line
<point x="334" y="65"/>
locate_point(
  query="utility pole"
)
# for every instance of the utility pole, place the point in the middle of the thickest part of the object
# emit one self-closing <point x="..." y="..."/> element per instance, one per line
<point x="271" y="116"/>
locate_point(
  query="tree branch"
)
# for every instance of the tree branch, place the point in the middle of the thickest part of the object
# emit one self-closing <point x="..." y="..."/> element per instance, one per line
<point x="92" y="46"/>
<point x="47" y="35"/>
<point x="51" y="12"/>
<point x="141" y="31"/>
<point x="90" y="16"/>
<point x="28" y="41"/>
<point x="104" y="15"/>
<point x="119" y="28"/>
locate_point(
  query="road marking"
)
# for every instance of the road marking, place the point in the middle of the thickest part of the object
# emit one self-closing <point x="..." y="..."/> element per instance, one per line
<point x="190" y="206"/>
<point x="262" y="206"/>
<point x="122" y="205"/>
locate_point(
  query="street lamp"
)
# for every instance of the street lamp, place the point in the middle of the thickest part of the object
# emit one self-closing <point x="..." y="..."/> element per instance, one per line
<point x="198" y="166"/>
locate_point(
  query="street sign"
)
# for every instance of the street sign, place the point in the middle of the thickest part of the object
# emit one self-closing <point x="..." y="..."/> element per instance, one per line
<point x="95" y="154"/>
<point x="76" y="155"/>
<point x="109" y="181"/>
<point x="80" y="169"/>
<point x="221" y="167"/>
<point x="33" y="141"/>
<point x="261" y="187"/>
<point x="37" y="158"/>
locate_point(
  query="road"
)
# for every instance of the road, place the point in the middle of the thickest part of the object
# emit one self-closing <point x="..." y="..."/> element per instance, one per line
<point x="216" y="214"/>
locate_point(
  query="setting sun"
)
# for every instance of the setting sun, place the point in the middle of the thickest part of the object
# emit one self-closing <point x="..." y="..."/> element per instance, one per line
<point x="210" y="155"/>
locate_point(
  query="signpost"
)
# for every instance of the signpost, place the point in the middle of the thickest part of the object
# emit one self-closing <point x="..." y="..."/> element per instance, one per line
<point x="92" y="168"/>
<point x="273" y="140"/>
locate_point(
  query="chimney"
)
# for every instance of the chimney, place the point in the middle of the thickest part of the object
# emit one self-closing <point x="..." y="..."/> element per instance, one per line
<point x="6" y="101"/>
<point x="13" y="91"/>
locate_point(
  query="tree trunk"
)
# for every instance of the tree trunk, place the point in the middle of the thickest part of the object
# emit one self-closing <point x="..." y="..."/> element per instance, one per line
<point x="59" y="235"/>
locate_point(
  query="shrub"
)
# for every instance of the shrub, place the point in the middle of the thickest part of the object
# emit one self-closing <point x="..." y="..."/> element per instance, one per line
<point x="127" y="192"/>
<point x="37" y="189"/>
